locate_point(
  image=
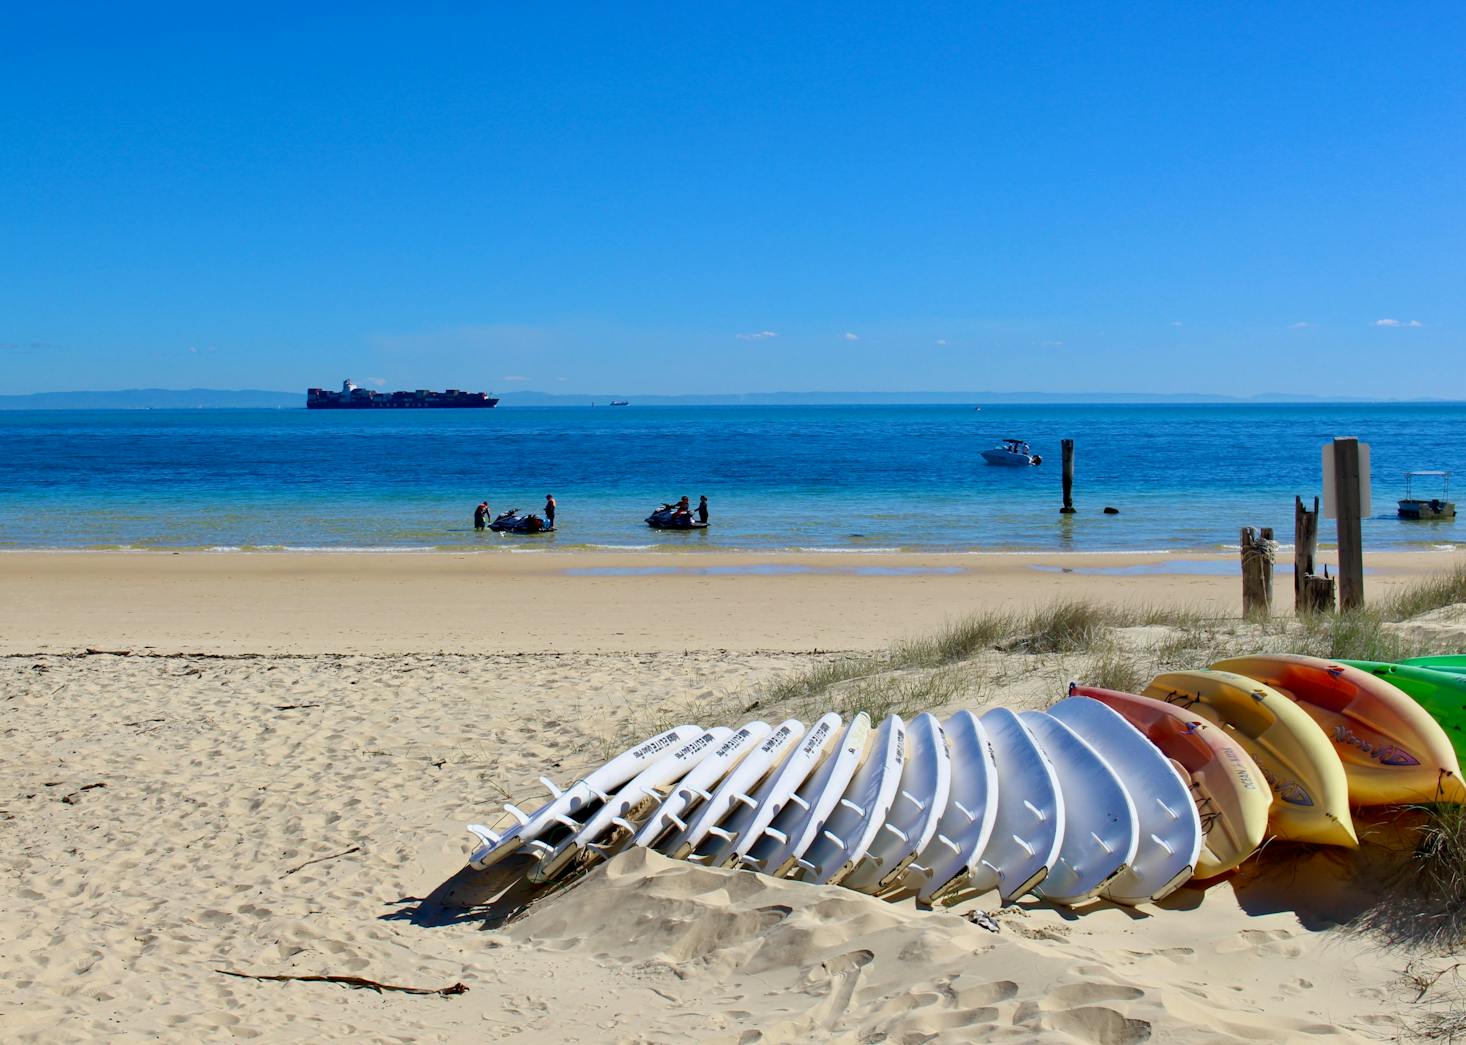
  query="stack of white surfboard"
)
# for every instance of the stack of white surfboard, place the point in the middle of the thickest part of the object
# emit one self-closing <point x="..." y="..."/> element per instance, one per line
<point x="1072" y="804"/>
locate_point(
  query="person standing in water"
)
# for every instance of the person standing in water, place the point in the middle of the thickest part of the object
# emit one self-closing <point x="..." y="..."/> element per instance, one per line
<point x="481" y="515"/>
<point x="549" y="511"/>
<point x="702" y="509"/>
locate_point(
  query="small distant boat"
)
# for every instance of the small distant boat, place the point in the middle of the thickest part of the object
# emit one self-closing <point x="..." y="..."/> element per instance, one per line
<point x="1412" y="507"/>
<point x="667" y="517"/>
<point x="620" y="402"/>
<point x="1013" y="452"/>
<point x="512" y="522"/>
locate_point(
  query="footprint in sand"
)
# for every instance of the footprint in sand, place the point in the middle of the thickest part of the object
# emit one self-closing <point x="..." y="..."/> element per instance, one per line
<point x="1096" y="1023"/>
<point x="1069" y="995"/>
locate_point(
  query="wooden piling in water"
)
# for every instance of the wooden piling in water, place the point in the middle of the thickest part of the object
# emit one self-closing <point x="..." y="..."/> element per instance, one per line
<point x="1067" y="450"/>
<point x="1311" y="593"/>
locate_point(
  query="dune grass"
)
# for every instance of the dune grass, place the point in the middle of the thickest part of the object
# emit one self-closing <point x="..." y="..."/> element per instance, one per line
<point x="1423" y="906"/>
<point x="1447" y="588"/>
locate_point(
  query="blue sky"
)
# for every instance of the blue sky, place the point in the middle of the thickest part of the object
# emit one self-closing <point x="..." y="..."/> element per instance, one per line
<point x="721" y="198"/>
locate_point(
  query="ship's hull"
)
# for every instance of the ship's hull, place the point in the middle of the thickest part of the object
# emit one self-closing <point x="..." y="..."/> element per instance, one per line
<point x="473" y="404"/>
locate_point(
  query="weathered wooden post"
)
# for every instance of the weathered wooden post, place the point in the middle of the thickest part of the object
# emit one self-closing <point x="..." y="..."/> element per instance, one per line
<point x="1348" y="510"/>
<point x="1257" y="571"/>
<point x="1311" y="594"/>
<point x="1067" y="450"/>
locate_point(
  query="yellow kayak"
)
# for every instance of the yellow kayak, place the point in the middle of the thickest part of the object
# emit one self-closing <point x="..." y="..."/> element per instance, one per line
<point x="1310" y="791"/>
<point x="1392" y="750"/>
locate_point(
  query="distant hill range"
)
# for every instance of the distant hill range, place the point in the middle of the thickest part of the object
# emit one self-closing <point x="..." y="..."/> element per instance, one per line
<point x="256" y="399"/>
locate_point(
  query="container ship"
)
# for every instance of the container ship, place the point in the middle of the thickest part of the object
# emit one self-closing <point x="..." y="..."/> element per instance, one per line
<point x="353" y="398"/>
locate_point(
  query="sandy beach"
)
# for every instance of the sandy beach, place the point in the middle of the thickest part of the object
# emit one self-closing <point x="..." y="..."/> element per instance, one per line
<point x="377" y="603"/>
<point x="274" y="780"/>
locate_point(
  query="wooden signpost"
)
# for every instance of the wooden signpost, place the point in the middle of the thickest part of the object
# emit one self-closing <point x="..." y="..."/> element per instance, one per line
<point x="1346" y="498"/>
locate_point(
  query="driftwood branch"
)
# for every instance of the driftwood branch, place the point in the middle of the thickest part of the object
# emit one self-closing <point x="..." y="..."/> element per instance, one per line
<point x="321" y="859"/>
<point x="358" y="982"/>
<point x="71" y="798"/>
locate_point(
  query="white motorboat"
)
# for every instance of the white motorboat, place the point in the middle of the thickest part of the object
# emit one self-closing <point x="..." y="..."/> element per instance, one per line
<point x="1011" y="452"/>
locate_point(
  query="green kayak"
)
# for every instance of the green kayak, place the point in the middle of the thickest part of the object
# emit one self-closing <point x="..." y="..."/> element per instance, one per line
<point x="1454" y="663"/>
<point x="1441" y="693"/>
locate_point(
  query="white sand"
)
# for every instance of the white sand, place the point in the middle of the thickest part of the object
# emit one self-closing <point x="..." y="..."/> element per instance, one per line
<point x="224" y="776"/>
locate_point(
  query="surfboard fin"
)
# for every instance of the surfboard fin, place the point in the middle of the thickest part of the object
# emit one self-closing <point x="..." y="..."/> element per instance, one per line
<point x="777" y="835"/>
<point x="801" y="803"/>
<point x="718" y="832"/>
<point x="888" y="826"/>
<point x="517" y="813"/>
<point x="852" y="807"/>
<point x="1035" y="810"/>
<point x="806" y="865"/>
<point x="550" y="786"/>
<point x="624" y="824"/>
<point x="746" y="800"/>
<point x="681" y="824"/>
<point x="971" y="816"/>
<point x="956" y="849"/>
<point x="918" y="803"/>
<point x="834" y="838"/>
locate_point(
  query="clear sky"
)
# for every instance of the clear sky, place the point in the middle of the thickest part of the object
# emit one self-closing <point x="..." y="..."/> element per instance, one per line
<point x="735" y="197"/>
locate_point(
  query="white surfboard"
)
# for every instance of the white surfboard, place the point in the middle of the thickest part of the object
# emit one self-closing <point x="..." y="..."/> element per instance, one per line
<point x="697" y="786"/>
<point x="861" y="811"/>
<point x="747" y="824"/>
<point x="629" y="807"/>
<point x="1100" y="826"/>
<point x="560" y="810"/>
<point x="735" y="791"/>
<point x="1170" y="828"/>
<point x="921" y="799"/>
<point x="967" y="823"/>
<point x="797" y="825"/>
<point x="1029" y="826"/>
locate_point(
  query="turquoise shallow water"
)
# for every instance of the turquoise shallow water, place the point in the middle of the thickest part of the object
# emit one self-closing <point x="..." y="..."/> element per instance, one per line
<point x="836" y="478"/>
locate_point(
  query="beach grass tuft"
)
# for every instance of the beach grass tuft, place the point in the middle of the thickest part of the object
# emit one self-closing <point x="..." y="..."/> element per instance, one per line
<point x="1447" y="588"/>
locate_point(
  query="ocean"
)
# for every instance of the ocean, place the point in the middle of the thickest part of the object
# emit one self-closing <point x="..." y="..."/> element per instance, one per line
<point x="831" y="478"/>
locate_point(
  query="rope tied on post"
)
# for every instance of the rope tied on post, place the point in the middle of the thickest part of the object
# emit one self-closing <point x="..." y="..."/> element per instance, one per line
<point x="1261" y="548"/>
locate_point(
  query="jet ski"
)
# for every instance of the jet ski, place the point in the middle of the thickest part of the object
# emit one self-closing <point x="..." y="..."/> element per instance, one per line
<point x="512" y="522"/>
<point x="666" y="518"/>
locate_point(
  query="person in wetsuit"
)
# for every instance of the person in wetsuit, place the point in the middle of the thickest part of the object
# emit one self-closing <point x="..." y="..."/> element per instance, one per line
<point x="702" y="509"/>
<point x="481" y="515"/>
<point x="549" y="511"/>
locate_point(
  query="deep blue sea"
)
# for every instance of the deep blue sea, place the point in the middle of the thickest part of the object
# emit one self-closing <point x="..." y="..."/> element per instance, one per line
<point x="841" y="478"/>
